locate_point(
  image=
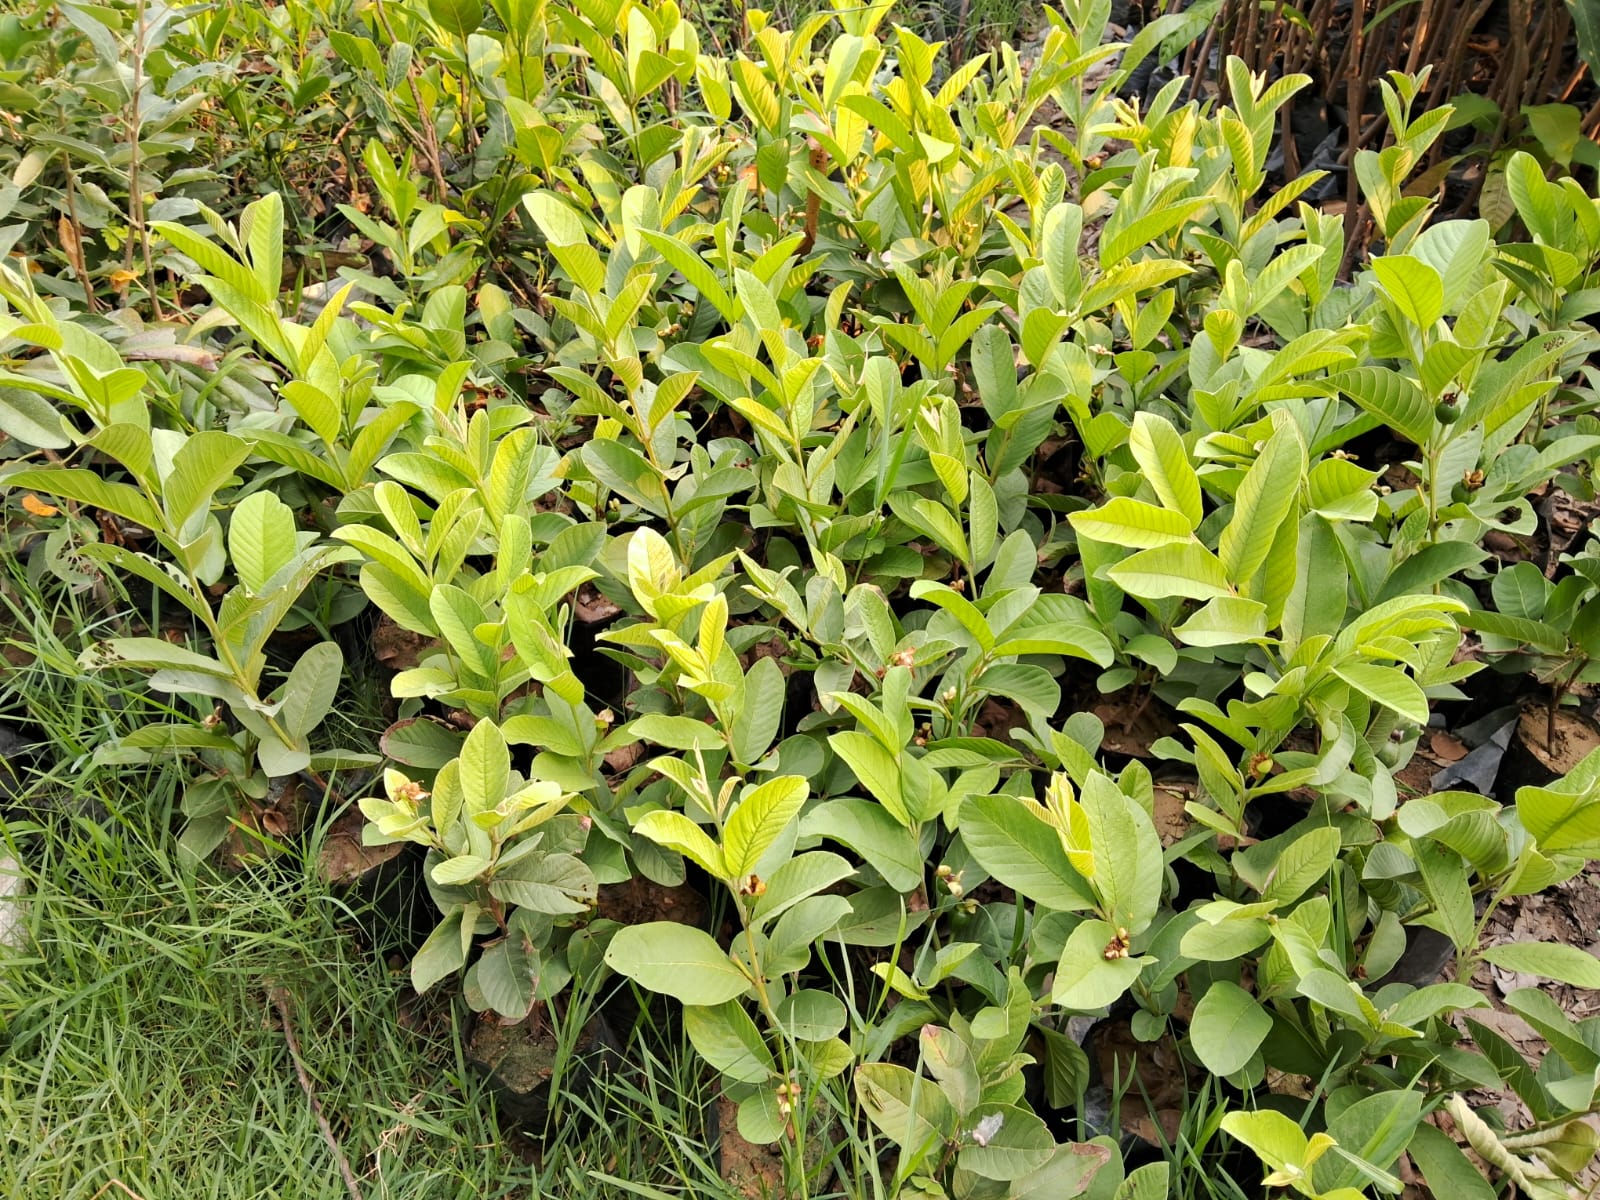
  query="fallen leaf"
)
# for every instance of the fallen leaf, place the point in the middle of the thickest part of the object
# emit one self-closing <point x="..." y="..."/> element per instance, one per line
<point x="1446" y="748"/>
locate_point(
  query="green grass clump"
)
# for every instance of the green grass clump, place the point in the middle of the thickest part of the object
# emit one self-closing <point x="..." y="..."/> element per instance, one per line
<point x="141" y="1045"/>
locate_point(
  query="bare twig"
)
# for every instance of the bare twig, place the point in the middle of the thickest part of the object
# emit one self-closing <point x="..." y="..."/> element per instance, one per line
<point x="1419" y="37"/>
<point x="280" y="1001"/>
<point x="1355" y="94"/>
<point x="430" y="138"/>
<point x="120" y="1186"/>
<point x="135" y="183"/>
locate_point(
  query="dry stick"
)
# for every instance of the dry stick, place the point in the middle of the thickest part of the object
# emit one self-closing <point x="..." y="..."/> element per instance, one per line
<point x="120" y="1186"/>
<point x="1434" y="46"/>
<point x="1317" y="47"/>
<point x="1291" y="151"/>
<point x="280" y="1001"/>
<point x="1358" y="225"/>
<point x="1521" y="14"/>
<point x="1557" y="43"/>
<point x="1455" y="59"/>
<point x="1200" y="66"/>
<point x="430" y="138"/>
<point x="1253" y="50"/>
<point x="1419" y="34"/>
<point x="1187" y="67"/>
<point x="1572" y="82"/>
<point x="1376" y="53"/>
<point x="1508" y="83"/>
<point x="1354" y="89"/>
<point x="135" y="184"/>
<point x="1280" y="36"/>
<point x="1536" y="40"/>
<point x="78" y="266"/>
<point x="1590" y="119"/>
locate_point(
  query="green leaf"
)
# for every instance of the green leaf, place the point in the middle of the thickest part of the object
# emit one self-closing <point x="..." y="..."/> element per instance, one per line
<point x="1415" y="287"/>
<point x="675" y="733"/>
<point x="803" y="876"/>
<point x="1549" y="960"/>
<point x="1392" y="398"/>
<point x="1560" y="820"/>
<point x="696" y="271"/>
<point x="677" y="832"/>
<point x="888" y="846"/>
<point x="309" y="693"/>
<point x="1225" y="621"/>
<point x="1371" y="1134"/>
<point x="1521" y="590"/>
<point x="507" y="973"/>
<point x="30" y="419"/>
<point x="442" y="954"/>
<point x="459" y="18"/>
<point x="1428" y="566"/>
<point x="911" y="1111"/>
<point x="1445" y="1167"/>
<point x="86" y="487"/>
<point x="555" y="884"/>
<point x="1540" y="1010"/>
<point x="1013" y="841"/>
<point x="205" y="462"/>
<point x="726" y="1037"/>
<point x="625" y="471"/>
<point x="677" y="961"/>
<point x="261" y="228"/>
<point x="812" y="1015"/>
<point x="1444" y="879"/>
<point x="216" y="261"/>
<point x="458" y="617"/>
<point x="1228" y="1027"/>
<point x="555" y="219"/>
<point x="1149" y="1182"/>
<point x="318" y="410"/>
<point x="758" y="821"/>
<point x="1189" y="570"/>
<point x="261" y="540"/>
<point x="1160" y="453"/>
<point x="1519" y="630"/>
<point x="1302" y="863"/>
<point x="1389" y="686"/>
<point x="1031" y="687"/>
<point x="485" y="768"/>
<point x="1086" y="980"/>
<point x="958" y="606"/>
<point x="1266" y="496"/>
<point x="1586" y="28"/>
<point x="463" y="868"/>
<point x="399" y="598"/>
<point x="875" y="767"/>
<point x="1340" y="490"/>
<point x="1224" y="940"/>
<point x="1128" y="867"/>
<point x="1317" y="602"/>
<point x="1133" y="523"/>
<point x="760" y="716"/>
<point x="1004" y="1142"/>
